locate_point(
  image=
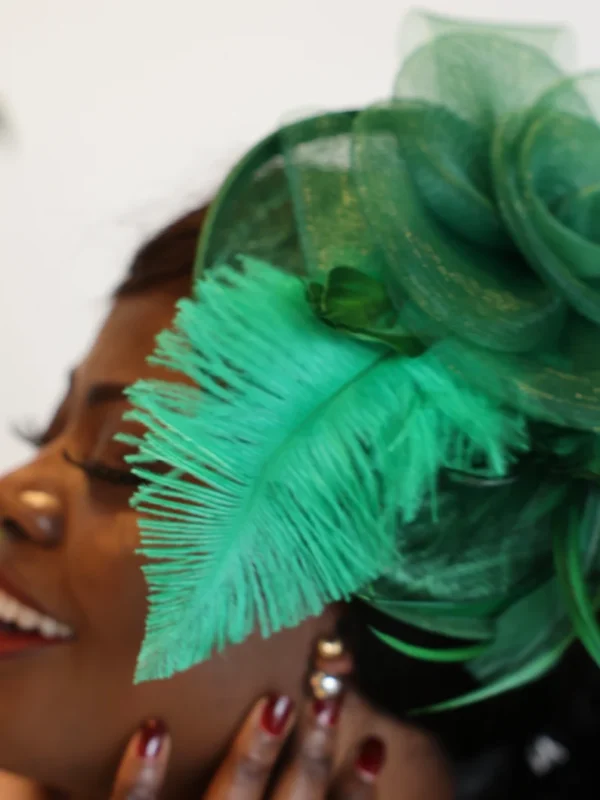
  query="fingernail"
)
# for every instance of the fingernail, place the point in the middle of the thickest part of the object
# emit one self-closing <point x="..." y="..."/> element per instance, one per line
<point x="276" y="714"/>
<point x="152" y="736"/>
<point x="327" y="711"/>
<point x="371" y="758"/>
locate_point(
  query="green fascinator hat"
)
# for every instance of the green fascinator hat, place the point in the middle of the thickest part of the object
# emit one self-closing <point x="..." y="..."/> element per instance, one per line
<point x="391" y="383"/>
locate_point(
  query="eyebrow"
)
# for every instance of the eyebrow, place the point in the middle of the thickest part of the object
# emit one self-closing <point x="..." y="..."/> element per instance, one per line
<point x="108" y="392"/>
<point x="98" y="394"/>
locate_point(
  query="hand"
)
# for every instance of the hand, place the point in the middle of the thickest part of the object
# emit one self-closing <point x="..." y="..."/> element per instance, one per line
<point x="248" y="770"/>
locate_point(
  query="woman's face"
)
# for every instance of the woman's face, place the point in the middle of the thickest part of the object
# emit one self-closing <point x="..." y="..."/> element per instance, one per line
<point x="67" y="708"/>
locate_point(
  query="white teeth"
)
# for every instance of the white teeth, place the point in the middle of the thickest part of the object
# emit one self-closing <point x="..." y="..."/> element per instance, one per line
<point x="11" y="609"/>
<point x="27" y="619"/>
<point x="49" y="628"/>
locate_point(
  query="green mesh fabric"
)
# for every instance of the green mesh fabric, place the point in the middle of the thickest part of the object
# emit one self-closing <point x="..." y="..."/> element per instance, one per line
<point x="448" y="239"/>
<point x="472" y="191"/>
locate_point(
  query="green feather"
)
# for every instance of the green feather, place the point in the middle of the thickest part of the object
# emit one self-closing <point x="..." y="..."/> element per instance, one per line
<point x="575" y="550"/>
<point x="519" y="676"/>
<point x="441" y="655"/>
<point x="294" y="455"/>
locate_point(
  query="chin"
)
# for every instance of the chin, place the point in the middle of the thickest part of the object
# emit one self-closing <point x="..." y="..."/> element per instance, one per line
<point x="48" y="730"/>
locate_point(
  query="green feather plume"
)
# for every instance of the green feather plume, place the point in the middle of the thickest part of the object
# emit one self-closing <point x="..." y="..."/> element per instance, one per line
<point x="295" y="453"/>
<point x="522" y="578"/>
<point x="418" y="423"/>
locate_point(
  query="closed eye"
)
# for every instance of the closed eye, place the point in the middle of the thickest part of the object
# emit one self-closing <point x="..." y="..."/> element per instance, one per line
<point x="103" y="472"/>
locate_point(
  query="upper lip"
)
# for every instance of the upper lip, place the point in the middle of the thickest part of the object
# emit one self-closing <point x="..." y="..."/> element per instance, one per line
<point x="23" y="597"/>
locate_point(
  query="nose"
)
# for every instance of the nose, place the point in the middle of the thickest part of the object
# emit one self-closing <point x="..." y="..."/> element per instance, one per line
<point x="31" y="513"/>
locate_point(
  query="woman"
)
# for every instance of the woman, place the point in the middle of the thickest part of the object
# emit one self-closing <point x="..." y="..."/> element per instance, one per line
<point x="68" y="551"/>
<point x="380" y="388"/>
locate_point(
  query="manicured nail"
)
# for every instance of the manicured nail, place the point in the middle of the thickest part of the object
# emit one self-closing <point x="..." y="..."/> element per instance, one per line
<point x="152" y="736"/>
<point x="276" y="714"/>
<point x="327" y="711"/>
<point x="371" y="758"/>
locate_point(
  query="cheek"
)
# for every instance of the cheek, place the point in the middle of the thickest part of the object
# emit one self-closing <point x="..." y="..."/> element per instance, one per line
<point x="83" y="693"/>
<point x="106" y="580"/>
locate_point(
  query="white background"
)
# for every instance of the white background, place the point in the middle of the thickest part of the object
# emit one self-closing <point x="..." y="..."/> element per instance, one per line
<point x="123" y="112"/>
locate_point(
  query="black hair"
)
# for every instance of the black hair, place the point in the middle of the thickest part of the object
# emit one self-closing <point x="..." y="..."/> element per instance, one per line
<point x="168" y="256"/>
<point x="487" y="742"/>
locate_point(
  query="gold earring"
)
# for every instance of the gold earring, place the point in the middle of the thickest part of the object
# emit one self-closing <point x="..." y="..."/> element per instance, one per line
<point x="330" y="648"/>
<point x="323" y="684"/>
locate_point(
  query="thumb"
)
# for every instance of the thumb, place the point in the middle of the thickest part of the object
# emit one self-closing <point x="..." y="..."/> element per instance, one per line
<point x="143" y="767"/>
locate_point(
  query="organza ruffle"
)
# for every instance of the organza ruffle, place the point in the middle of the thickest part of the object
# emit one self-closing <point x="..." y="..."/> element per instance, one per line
<point x="472" y="196"/>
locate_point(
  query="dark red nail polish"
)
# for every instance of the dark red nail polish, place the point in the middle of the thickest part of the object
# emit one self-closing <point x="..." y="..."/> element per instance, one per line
<point x="327" y="712"/>
<point x="371" y="758"/>
<point x="151" y="739"/>
<point x="276" y="714"/>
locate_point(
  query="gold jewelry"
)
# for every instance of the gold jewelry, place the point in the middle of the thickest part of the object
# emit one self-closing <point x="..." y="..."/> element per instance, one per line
<point x="325" y="686"/>
<point x="330" y="648"/>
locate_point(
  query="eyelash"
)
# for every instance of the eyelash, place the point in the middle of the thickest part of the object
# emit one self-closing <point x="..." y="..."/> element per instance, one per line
<point x="102" y="472"/>
<point x="94" y="469"/>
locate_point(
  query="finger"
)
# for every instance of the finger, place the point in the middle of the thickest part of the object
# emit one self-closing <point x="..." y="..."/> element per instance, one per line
<point x="309" y="774"/>
<point x="359" y="781"/>
<point x="21" y="788"/>
<point x="338" y="666"/>
<point x="247" y="768"/>
<point x="142" y="770"/>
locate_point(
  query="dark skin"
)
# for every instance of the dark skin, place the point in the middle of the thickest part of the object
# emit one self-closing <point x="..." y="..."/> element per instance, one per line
<point x="66" y="712"/>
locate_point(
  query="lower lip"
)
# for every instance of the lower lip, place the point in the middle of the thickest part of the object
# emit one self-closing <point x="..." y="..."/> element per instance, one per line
<point x="12" y="642"/>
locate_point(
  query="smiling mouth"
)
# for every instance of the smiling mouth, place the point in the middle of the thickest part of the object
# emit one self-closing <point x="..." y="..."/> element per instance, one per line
<point x="23" y="627"/>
